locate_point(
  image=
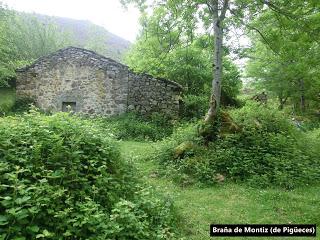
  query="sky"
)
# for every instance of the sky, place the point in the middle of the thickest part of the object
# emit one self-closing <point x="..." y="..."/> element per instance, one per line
<point x="107" y="13"/>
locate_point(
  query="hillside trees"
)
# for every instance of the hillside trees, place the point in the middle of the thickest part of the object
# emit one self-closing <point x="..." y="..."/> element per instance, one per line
<point x="5" y="64"/>
<point x="25" y="38"/>
<point x="285" y="60"/>
<point x="97" y="41"/>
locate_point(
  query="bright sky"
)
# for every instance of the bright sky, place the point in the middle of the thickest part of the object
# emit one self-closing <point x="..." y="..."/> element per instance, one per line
<point x="107" y="13"/>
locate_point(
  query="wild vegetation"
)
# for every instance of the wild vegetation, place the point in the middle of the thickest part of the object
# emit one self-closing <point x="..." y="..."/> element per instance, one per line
<point x="24" y="39"/>
<point x="266" y="150"/>
<point x="65" y="176"/>
<point x="131" y="126"/>
<point x="62" y="176"/>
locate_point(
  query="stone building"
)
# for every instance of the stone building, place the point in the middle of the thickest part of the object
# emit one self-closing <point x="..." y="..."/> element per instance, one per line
<point x="93" y="84"/>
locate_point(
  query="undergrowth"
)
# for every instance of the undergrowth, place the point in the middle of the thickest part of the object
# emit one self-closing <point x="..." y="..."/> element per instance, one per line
<point x="7" y="100"/>
<point x="268" y="151"/>
<point x="62" y="177"/>
<point x="131" y="126"/>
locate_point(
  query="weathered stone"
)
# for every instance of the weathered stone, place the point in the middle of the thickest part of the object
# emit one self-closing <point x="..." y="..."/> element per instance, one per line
<point x="94" y="84"/>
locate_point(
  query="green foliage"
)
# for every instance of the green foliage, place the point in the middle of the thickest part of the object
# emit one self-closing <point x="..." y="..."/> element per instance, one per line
<point x="62" y="178"/>
<point x="22" y="104"/>
<point x="194" y="106"/>
<point x="227" y="202"/>
<point x="131" y="126"/>
<point x="10" y="104"/>
<point x="24" y="38"/>
<point x="168" y="47"/>
<point x="285" y="53"/>
<point x="187" y="65"/>
<point x="7" y="100"/>
<point x="268" y="151"/>
<point x="165" y="152"/>
<point x="312" y="137"/>
<point x="5" y="76"/>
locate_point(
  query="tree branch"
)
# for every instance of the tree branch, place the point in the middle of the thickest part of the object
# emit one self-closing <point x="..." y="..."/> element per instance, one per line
<point x="255" y="29"/>
<point x="224" y="10"/>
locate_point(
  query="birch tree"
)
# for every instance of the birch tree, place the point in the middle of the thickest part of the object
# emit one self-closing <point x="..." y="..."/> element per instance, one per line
<point x="218" y="11"/>
<point x="220" y="15"/>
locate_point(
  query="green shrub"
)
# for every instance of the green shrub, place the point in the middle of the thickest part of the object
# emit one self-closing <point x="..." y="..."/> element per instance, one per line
<point x="269" y="150"/>
<point x="166" y="151"/>
<point x="7" y="77"/>
<point x="7" y="100"/>
<point x="131" y="126"/>
<point x="22" y="104"/>
<point x="194" y="106"/>
<point x="61" y="177"/>
<point x="5" y="108"/>
<point x="312" y="138"/>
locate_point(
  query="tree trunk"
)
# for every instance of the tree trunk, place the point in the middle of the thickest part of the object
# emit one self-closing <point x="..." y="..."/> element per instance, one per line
<point x="217" y="75"/>
<point x="282" y="101"/>
<point x="281" y="105"/>
<point x="302" y="97"/>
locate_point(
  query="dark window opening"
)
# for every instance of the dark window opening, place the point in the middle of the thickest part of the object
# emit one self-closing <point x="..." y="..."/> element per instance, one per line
<point x="69" y="106"/>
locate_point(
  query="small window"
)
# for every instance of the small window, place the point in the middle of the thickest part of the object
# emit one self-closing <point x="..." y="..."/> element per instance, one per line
<point x="69" y="106"/>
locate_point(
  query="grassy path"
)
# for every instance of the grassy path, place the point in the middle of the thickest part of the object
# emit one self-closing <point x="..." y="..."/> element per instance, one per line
<point x="227" y="203"/>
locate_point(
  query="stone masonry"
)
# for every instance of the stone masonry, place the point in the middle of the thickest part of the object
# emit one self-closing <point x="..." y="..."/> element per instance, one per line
<point x="93" y="84"/>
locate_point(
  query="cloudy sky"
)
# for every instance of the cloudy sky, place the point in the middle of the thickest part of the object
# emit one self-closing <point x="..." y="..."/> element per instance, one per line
<point x="107" y="13"/>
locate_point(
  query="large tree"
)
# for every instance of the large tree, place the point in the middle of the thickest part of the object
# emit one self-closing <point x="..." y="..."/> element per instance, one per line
<point x="223" y="15"/>
<point x="218" y="15"/>
<point x="169" y="47"/>
<point x="215" y="12"/>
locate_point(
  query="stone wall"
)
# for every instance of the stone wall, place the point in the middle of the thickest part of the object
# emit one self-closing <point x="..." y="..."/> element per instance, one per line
<point x="147" y="94"/>
<point x="97" y="85"/>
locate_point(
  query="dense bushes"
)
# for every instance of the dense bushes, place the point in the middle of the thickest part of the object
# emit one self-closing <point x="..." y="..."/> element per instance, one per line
<point x="7" y="100"/>
<point x="269" y="150"/>
<point x="22" y="104"/>
<point x="10" y="104"/>
<point x="194" y="106"/>
<point x="131" y="126"/>
<point x="62" y="178"/>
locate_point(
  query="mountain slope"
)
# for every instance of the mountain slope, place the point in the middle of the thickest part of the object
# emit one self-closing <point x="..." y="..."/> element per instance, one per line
<point x="91" y="36"/>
